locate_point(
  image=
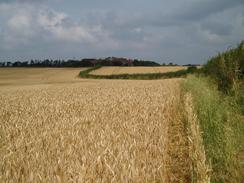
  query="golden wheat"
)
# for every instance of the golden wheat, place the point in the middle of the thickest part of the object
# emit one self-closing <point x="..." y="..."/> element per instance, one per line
<point x="86" y="131"/>
<point x="30" y="76"/>
<point x="135" y="70"/>
<point x="201" y="169"/>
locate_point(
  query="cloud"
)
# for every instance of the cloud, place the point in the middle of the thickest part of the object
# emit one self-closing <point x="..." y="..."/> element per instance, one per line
<point x="63" y="28"/>
<point x="46" y="24"/>
<point x="217" y="28"/>
<point x="170" y="30"/>
<point x="184" y="12"/>
<point x="197" y="10"/>
<point x="22" y="1"/>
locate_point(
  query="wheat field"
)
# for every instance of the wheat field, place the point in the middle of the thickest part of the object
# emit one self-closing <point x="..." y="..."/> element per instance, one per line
<point x="30" y="76"/>
<point x="86" y="130"/>
<point x="136" y="70"/>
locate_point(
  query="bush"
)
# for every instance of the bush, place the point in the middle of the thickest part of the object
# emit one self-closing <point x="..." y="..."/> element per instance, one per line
<point x="192" y="69"/>
<point x="227" y="68"/>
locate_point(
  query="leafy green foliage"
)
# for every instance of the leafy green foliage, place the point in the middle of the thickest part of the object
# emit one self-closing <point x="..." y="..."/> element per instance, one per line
<point x="227" y="68"/>
<point x="145" y="63"/>
<point x="192" y="69"/>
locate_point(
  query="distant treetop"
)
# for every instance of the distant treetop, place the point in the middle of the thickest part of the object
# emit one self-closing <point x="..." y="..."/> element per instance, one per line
<point x="86" y="62"/>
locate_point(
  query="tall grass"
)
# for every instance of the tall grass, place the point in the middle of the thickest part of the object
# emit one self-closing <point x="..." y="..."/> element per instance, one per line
<point x="199" y="166"/>
<point x="222" y="128"/>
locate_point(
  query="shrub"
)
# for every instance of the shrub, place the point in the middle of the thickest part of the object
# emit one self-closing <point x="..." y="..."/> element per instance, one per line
<point x="227" y="68"/>
<point x="192" y="69"/>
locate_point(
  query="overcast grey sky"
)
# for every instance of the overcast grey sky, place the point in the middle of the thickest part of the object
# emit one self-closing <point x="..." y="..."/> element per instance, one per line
<point x="179" y="31"/>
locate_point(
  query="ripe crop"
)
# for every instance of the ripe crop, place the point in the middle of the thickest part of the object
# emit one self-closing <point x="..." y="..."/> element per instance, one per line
<point x="86" y="131"/>
<point x="34" y="76"/>
<point x="135" y="70"/>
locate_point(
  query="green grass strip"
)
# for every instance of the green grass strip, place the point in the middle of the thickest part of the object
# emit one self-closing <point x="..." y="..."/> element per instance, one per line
<point x="222" y="125"/>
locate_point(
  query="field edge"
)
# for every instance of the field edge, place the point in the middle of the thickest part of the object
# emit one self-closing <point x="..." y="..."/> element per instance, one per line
<point x="142" y="76"/>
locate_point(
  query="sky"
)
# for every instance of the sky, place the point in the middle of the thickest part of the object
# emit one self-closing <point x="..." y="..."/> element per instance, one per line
<point x="178" y="31"/>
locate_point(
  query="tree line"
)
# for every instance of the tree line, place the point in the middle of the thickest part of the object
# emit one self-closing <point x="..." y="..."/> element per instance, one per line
<point x="86" y="62"/>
